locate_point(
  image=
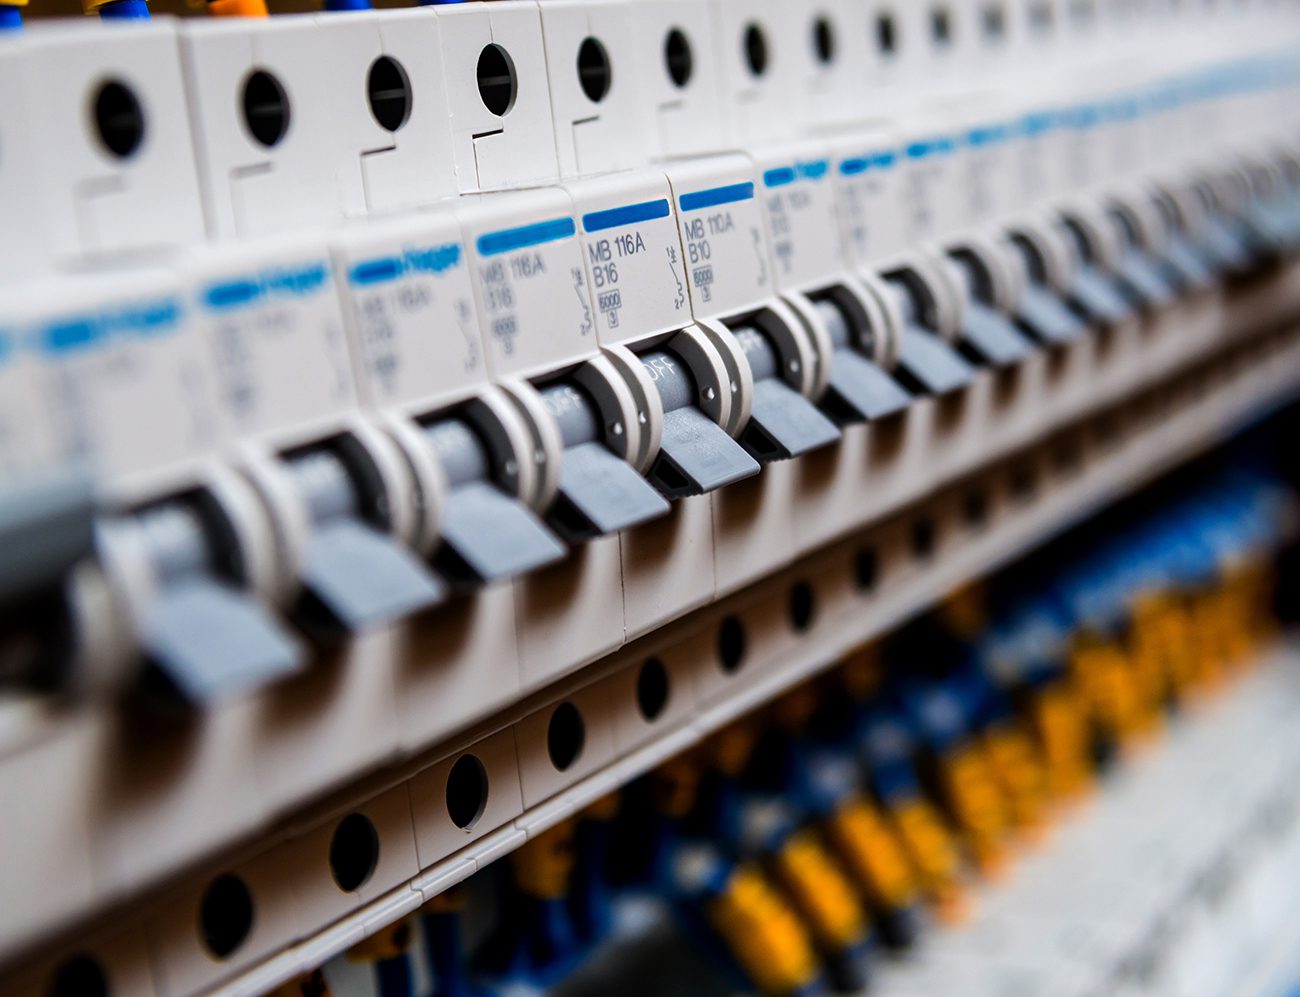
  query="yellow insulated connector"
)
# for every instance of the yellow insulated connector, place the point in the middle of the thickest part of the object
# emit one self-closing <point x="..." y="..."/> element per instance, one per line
<point x="764" y="934"/>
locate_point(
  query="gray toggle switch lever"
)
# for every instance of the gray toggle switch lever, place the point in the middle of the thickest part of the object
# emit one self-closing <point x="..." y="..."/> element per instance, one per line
<point x="858" y="389"/>
<point x="926" y="363"/>
<point x="1145" y="278"/>
<point x="46" y="530"/>
<point x="1098" y="296"/>
<point x="600" y="493"/>
<point x="695" y="454"/>
<point x="987" y="334"/>
<point x="204" y="638"/>
<point x="782" y="423"/>
<point x="1192" y="269"/>
<point x="1225" y="243"/>
<point x="1047" y="316"/>
<point x="354" y="575"/>
<point x="487" y="535"/>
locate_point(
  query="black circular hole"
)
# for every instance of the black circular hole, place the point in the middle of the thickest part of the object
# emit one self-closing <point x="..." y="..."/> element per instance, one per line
<point x="824" y="40"/>
<point x="994" y="21"/>
<point x="594" y="71"/>
<point x="225" y="915"/>
<point x="467" y="791"/>
<point x="266" y="108"/>
<point x="731" y="645"/>
<point x="80" y="976"/>
<point x="755" y="49"/>
<point x="652" y="689"/>
<point x="922" y="539"/>
<point x="940" y="26"/>
<point x="1023" y="481"/>
<point x="886" y="34"/>
<point x="497" y="83"/>
<point x="975" y="508"/>
<point x="354" y="852"/>
<point x="677" y="57"/>
<point x="389" y="90"/>
<point x="565" y="736"/>
<point x="866" y="569"/>
<point x="119" y="119"/>
<point x="803" y="606"/>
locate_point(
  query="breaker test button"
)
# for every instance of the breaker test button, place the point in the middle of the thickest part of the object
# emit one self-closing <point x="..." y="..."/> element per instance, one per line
<point x="599" y="493"/>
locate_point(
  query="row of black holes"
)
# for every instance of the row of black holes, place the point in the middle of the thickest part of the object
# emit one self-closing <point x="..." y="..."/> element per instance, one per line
<point x="120" y="120"/>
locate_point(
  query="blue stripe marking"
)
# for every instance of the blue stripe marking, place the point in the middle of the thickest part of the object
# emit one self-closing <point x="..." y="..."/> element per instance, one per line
<point x="75" y="334"/>
<point x="509" y="239"/>
<point x="812" y="171"/>
<point x="627" y="214"/>
<point x="883" y="160"/>
<point x="714" y="196"/>
<point x="929" y="147"/>
<point x="300" y="281"/>
<point x="778" y="176"/>
<point x="852" y="167"/>
<point x="379" y="271"/>
<point x="1037" y="123"/>
<point x="421" y="259"/>
<point x="988" y="135"/>
<point x="232" y="294"/>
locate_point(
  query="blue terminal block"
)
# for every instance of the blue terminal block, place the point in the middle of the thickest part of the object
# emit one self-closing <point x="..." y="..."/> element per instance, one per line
<point x="11" y="17"/>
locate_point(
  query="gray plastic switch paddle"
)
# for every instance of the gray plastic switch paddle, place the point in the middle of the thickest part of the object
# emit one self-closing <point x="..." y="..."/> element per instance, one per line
<point x="858" y="390"/>
<point x="1191" y="268"/>
<point x="695" y="454"/>
<point x="488" y="536"/>
<point x="600" y="493"/>
<point x="210" y="641"/>
<point x="1142" y="274"/>
<point x="355" y="576"/>
<point x="992" y="337"/>
<point x="362" y="578"/>
<point x="932" y="366"/>
<point x="1099" y="297"/>
<point x="782" y="423"/>
<point x="1047" y="317"/>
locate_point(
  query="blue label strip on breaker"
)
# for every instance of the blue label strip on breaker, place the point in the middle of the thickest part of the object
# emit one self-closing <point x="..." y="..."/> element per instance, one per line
<point x="76" y="333"/>
<point x="298" y="281"/>
<point x="930" y="147"/>
<point x="854" y="165"/>
<point x="627" y="214"/>
<point x="714" y="196"/>
<point x="509" y="239"/>
<point x="988" y="135"/>
<point x="382" y="270"/>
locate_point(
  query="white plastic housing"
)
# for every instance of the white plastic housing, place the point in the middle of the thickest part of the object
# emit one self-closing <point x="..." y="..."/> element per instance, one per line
<point x="98" y="196"/>
<point x="514" y="148"/>
<point x="596" y="125"/>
